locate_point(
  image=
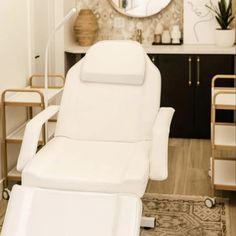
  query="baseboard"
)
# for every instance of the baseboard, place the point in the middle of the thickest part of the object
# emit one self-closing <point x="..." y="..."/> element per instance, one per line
<point x="1" y="188"/>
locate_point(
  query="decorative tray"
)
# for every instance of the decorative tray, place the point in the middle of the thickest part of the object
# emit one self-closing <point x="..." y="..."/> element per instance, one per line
<point x="163" y="44"/>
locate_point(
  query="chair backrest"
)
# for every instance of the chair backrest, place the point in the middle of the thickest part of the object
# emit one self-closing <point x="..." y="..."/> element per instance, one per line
<point x="112" y="94"/>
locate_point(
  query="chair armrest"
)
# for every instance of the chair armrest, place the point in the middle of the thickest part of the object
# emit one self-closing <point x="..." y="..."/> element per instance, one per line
<point x="32" y="134"/>
<point x="159" y="149"/>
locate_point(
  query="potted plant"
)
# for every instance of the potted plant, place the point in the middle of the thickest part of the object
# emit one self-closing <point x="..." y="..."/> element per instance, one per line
<point x="224" y="36"/>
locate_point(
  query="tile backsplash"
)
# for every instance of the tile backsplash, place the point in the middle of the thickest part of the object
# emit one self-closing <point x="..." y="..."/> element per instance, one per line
<point x="105" y="13"/>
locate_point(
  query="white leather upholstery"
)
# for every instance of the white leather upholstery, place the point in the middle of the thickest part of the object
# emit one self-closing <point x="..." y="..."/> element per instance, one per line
<point x="109" y="112"/>
<point x="41" y="212"/>
<point x="90" y="166"/>
<point x="159" y="147"/>
<point x="31" y="135"/>
<point x="109" y="137"/>
<point x="123" y="68"/>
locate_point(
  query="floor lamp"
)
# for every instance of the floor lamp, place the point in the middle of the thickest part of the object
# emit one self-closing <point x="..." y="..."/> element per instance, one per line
<point x="58" y="26"/>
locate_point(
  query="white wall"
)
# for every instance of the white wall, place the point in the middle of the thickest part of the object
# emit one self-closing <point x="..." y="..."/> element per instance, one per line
<point x="40" y="29"/>
<point x="14" y="43"/>
<point x="45" y="15"/>
<point x="15" y="63"/>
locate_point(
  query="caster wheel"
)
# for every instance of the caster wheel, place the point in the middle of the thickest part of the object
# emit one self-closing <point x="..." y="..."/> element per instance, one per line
<point x="210" y="202"/>
<point x="6" y="194"/>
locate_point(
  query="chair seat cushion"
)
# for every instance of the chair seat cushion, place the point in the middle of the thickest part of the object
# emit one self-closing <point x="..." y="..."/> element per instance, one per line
<point x="90" y="166"/>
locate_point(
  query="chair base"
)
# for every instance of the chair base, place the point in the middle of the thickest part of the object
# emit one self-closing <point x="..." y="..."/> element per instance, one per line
<point x="148" y="222"/>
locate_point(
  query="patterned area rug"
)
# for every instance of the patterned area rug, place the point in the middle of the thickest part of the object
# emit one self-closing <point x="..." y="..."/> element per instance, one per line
<point x="178" y="215"/>
<point x="185" y="216"/>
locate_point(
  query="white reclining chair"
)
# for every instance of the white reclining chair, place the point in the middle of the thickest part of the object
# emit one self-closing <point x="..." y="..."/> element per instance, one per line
<point x="111" y="134"/>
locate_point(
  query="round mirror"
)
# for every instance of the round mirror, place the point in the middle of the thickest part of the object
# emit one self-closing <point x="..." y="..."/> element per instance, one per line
<point x="139" y="8"/>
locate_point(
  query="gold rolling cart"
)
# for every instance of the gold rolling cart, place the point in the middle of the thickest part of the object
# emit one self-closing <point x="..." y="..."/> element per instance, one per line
<point x="31" y="97"/>
<point x="223" y="136"/>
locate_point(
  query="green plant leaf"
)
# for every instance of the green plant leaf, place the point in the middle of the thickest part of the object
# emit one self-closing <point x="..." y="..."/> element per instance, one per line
<point x="229" y="9"/>
<point x="220" y="22"/>
<point x="230" y="20"/>
<point x="212" y="9"/>
<point x="223" y="13"/>
<point x="221" y="7"/>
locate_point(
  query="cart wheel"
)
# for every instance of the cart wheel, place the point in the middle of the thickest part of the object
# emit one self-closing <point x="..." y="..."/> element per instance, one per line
<point x="210" y="202"/>
<point x="6" y="194"/>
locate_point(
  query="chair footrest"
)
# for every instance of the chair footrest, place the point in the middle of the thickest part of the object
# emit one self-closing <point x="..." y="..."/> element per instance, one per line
<point x="71" y="213"/>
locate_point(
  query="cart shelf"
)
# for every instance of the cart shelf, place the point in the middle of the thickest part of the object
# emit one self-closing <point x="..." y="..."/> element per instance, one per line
<point x="225" y="98"/>
<point x="17" y="135"/>
<point x="14" y="175"/>
<point x="29" y="96"/>
<point x="225" y="135"/>
<point x="225" y="174"/>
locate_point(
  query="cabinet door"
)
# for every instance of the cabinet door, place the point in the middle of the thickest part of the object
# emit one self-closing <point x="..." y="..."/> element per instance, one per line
<point x="177" y="92"/>
<point x="206" y="66"/>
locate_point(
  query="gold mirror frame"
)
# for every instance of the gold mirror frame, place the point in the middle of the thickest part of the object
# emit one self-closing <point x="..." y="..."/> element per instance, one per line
<point x="122" y="11"/>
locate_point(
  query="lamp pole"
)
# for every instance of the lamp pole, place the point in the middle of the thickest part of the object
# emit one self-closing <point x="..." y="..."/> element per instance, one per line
<point x="58" y="26"/>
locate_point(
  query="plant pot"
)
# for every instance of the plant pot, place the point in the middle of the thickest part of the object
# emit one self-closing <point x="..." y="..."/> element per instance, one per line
<point x="225" y="38"/>
<point x="86" y="27"/>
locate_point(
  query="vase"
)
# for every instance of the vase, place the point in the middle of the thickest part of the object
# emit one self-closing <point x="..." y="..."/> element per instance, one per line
<point x="165" y="37"/>
<point x="175" y="34"/>
<point x="86" y="27"/>
<point x="225" y="38"/>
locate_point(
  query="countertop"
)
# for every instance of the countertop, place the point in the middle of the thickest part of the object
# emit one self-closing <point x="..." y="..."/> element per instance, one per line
<point x="170" y="49"/>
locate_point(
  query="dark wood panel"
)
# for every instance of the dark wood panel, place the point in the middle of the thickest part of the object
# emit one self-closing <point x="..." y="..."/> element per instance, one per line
<point x="206" y="67"/>
<point x="192" y="102"/>
<point x="177" y="93"/>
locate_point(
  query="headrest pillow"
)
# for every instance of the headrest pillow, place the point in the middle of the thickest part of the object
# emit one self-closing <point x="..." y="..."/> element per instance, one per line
<point x="114" y="62"/>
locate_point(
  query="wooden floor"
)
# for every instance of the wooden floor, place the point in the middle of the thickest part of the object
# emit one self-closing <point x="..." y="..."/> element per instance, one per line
<point x="188" y="175"/>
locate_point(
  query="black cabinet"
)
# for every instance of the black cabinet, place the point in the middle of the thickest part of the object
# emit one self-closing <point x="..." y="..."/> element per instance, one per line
<point x="186" y="86"/>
